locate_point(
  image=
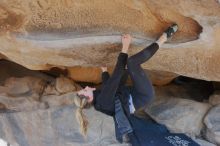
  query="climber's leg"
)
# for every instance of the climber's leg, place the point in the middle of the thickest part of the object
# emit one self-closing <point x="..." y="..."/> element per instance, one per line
<point x="142" y="85"/>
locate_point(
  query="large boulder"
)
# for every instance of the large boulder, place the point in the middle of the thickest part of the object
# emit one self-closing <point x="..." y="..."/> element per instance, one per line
<point x="23" y="115"/>
<point x="65" y="85"/>
<point x="179" y="115"/>
<point x="212" y="125"/>
<point x="214" y="99"/>
<point x="26" y="86"/>
<point x="202" y="142"/>
<point x="87" y="33"/>
<point x="8" y="104"/>
<point x="25" y="122"/>
<point x="56" y="126"/>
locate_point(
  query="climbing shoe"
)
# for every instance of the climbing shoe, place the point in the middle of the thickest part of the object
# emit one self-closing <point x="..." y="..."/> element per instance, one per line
<point x="171" y="30"/>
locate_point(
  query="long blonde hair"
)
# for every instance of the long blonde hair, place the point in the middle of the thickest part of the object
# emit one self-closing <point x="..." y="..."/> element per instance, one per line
<point x="81" y="102"/>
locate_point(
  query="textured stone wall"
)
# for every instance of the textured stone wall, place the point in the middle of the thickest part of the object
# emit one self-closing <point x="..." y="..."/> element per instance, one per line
<point x="45" y="33"/>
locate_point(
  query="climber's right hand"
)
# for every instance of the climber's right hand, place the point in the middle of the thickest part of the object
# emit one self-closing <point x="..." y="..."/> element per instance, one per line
<point x="104" y="69"/>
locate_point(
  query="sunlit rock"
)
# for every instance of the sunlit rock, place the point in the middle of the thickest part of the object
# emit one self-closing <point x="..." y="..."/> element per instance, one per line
<point x="179" y="115"/>
<point x="212" y="125"/>
<point x="77" y="33"/>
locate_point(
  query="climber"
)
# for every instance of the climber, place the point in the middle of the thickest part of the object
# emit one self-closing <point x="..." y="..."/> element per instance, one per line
<point x="121" y="102"/>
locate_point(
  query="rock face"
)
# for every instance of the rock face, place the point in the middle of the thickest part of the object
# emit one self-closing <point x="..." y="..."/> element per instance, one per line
<point x="214" y="99"/>
<point x="87" y="33"/>
<point x="65" y="85"/>
<point x="204" y="143"/>
<point x="55" y="126"/>
<point x="160" y="78"/>
<point x="27" y="86"/>
<point x="31" y="93"/>
<point x="212" y="125"/>
<point x="192" y="89"/>
<point x="179" y="115"/>
<point x="93" y="75"/>
<point x="49" y="119"/>
<point x="52" y="122"/>
<point x="10" y="69"/>
<point x="43" y="34"/>
<point x="21" y="94"/>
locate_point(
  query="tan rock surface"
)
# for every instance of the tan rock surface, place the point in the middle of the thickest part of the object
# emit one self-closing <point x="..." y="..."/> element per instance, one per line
<point x="66" y="33"/>
<point x="85" y="74"/>
<point x="64" y="85"/>
<point x="25" y="87"/>
<point x="93" y="75"/>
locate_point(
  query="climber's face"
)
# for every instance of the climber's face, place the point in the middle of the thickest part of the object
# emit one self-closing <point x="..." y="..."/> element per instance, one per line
<point x="88" y="92"/>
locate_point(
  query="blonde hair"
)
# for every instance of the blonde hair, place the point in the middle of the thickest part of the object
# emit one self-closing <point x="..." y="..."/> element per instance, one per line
<point x="81" y="102"/>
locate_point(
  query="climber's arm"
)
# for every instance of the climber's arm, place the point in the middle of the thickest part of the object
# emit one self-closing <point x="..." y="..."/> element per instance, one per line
<point x="105" y="75"/>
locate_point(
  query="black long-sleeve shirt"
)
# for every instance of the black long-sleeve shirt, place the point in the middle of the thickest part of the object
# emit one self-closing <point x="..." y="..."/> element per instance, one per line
<point x="104" y="101"/>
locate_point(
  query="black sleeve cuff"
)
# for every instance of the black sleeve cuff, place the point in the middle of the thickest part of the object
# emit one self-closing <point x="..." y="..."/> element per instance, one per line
<point x="123" y="57"/>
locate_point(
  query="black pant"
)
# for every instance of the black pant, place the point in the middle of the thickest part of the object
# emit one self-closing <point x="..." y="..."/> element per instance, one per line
<point x="141" y="82"/>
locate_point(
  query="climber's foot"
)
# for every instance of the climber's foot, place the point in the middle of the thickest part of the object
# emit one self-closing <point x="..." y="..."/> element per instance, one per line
<point x="168" y="33"/>
<point x="126" y="41"/>
<point x="171" y="30"/>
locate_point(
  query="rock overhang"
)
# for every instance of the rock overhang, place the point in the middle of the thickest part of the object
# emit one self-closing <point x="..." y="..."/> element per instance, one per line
<point x="86" y="34"/>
